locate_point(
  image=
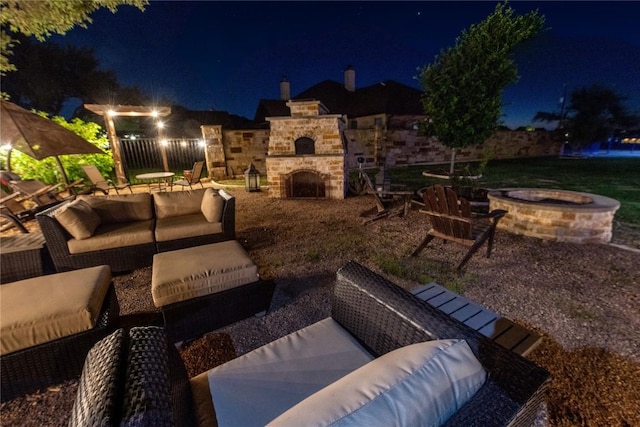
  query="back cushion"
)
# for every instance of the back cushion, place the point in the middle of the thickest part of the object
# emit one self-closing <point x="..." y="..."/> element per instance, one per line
<point x="147" y="400"/>
<point x="99" y="395"/>
<point x="212" y="205"/>
<point x="418" y="385"/>
<point x="121" y="208"/>
<point x="177" y="203"/>
<point x="79" y="219"/>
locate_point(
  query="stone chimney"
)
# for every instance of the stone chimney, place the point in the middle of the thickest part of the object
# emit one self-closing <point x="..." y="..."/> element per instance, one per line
<point x="350" y="79"/>
<point x="285" y="89"/>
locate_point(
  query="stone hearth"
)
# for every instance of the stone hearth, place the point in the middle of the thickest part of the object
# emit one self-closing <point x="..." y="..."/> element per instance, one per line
<point x="306" y="154"/>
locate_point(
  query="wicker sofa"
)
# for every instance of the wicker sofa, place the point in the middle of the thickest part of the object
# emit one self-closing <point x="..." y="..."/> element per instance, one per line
<point x="125" y="231"/>
<point x="49" y="342"/>
<point x="374" y="312"/>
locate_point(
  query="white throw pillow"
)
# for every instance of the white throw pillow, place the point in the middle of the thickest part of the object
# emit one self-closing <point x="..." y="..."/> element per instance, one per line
<point x="418" y="385"/>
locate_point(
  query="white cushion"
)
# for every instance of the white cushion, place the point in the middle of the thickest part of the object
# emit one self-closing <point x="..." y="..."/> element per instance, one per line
<point x="417" y="385"/>
<point x="254" y="388"/>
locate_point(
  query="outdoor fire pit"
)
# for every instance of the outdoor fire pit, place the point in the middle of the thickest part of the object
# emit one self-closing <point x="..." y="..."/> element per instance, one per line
<point x="551" y="214"/>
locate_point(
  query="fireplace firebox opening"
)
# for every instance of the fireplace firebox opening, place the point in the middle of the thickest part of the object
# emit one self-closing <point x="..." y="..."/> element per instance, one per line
<point x="305" y="184"/>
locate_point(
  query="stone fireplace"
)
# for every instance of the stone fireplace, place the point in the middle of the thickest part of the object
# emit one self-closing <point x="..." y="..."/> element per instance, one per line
<point x="306" y="154"/>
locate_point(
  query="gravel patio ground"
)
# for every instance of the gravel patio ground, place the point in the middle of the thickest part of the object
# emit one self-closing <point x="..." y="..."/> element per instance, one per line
<point x="582" y="298"/>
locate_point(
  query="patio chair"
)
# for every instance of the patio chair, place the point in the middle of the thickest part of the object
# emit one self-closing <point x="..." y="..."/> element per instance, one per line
<point x="388" y="203"/>
<point x="7" y="217"/>
<point x="42" y="194"/>
<point x="192" y="178"/>
<point x="13" y="213"/>
<point x="451" y="220"/>
<point x="100" y="183"/>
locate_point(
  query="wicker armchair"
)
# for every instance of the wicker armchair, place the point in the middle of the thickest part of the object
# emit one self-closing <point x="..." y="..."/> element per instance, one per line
<point x="385" y="317"/>
<point x="381" y="315"/>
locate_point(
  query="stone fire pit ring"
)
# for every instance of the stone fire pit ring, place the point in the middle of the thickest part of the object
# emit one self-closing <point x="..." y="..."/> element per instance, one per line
<point x="553" y="214"/>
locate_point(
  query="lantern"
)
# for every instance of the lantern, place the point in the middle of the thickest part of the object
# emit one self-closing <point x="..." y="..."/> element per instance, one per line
<point x="251" y="179"/>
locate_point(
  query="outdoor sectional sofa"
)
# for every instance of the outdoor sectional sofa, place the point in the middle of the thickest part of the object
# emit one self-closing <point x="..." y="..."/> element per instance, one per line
<point x="374" y="319"/>
<point x="125" y="231"/>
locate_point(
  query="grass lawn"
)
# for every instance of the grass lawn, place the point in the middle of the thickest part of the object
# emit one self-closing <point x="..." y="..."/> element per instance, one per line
<point x="618" y="178"/>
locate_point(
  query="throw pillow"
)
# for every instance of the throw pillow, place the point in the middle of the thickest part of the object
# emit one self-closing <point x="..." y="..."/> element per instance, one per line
<point x="79" y="219"/>
<point x="98" y="398"/>
<point x="212" y="205"/>
<point x="177" y="203"/>
<point x="420" y="384"/>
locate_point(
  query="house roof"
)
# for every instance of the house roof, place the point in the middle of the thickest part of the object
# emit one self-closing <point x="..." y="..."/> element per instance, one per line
<point x="270" y="108"/>
<point x="186" y="123"/>
<point x="388" y="97"/>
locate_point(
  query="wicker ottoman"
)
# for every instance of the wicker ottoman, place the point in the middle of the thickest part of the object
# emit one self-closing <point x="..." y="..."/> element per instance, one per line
<point x="48" y="325"/>
<point x="23" y="256"/>
<point x="203" y="288"/>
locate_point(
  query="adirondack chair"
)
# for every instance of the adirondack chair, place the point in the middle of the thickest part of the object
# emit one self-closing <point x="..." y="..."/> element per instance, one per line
<point x="388" y="203"/>
<point x="451" y="219"/>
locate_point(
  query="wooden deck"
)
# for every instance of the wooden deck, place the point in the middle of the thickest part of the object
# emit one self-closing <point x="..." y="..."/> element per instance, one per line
<point x="503" y="331"/>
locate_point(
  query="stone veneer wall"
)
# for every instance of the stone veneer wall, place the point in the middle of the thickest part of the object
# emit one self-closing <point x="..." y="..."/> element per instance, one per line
<point x="243" y="147"/>
<point x="230" y="152"/>
<point x="395" y="147"/>
<point x="401" y="147"/>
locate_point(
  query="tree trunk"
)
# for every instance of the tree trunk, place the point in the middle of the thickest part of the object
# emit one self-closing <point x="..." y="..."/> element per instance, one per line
<point x="452" y="165"/>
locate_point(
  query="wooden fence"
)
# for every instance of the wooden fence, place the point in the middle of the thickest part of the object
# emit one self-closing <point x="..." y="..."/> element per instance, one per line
<point x="146" y="153"/>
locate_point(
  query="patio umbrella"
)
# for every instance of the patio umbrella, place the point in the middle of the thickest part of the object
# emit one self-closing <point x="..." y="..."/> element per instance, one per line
<point x="39" y="137"/>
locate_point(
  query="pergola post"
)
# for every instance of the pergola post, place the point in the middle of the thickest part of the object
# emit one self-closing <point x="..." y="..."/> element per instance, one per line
<point x="114" y="143"/>
<point x="109" y="112"/>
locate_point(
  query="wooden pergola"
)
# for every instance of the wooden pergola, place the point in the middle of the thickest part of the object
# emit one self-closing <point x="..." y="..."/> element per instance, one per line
<point x="111" y="111"/>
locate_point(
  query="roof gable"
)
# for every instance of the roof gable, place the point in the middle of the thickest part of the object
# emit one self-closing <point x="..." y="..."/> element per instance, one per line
<point x="389" y="97"/>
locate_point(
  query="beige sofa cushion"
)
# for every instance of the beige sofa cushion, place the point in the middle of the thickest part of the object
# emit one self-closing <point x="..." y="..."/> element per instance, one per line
<point x="201" y="270"/>
<point x="184" y="226"/>
<point x="418" y="385"/>
<point x="212" y="205"/>
<point x="78" y="218"/>
<point x="121" y="208"/>
<point x="46" y="308"/>
<point x="115" y="235"/>
<point x="177" y="203"/>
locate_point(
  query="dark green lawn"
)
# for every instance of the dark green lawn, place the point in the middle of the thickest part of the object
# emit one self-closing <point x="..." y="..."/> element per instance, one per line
<point x="618" y="178"/>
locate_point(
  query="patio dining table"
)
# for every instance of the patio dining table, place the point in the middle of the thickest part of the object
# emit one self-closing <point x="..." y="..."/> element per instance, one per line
<point x="160" y="176"/>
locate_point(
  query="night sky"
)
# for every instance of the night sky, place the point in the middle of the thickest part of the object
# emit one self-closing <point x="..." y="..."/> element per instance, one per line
<point x="229" y="55"/>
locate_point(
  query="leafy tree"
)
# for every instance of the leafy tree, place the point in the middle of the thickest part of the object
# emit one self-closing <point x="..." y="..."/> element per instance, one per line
<point x="49" y="74"/>
<point x="463" y="86"/>
<point x="593" y="113"/>
<point x="47" y="170"/>
<point x="42" y="19"/>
